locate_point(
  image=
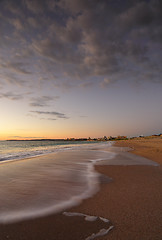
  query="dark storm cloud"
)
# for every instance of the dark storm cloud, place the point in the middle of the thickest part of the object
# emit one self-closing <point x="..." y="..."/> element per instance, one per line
<point x="56" y="114"/>
<point x="79" y="40"/>
<point x="42" y="101"/>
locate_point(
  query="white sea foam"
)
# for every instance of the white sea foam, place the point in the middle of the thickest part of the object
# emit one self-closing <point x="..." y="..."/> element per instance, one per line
<point x="86" y="217"/>
<point x="74" y="214"/>
<point x="91" y="218"/>
<point x="104" y="219"/>
<point x="101" y="233"/>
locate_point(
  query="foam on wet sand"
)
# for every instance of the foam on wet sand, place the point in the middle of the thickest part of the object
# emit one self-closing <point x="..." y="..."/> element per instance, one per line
<point x="101" y="232"/>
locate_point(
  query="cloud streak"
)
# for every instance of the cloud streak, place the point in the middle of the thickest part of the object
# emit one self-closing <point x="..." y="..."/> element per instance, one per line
<point x="11" y="96"/>
<point x="51" y="113"/>
<point x="43" y="101"/>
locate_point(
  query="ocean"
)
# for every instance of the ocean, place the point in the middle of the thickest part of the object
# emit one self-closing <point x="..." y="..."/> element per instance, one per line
<point x="38" y="178"/>
<point x="14" y="150"/>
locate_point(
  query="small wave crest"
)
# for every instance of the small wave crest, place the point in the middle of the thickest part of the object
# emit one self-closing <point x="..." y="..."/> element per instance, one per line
<point x="11" y="152"/>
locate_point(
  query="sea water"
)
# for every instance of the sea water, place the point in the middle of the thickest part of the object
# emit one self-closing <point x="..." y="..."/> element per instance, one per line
<point x="14" y="150"/>
<point x="39" y="178"/>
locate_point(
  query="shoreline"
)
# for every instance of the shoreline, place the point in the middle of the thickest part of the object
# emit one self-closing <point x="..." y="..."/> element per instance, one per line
<point x="149" y="148"/>
<point x="131" y="201"/>
<point x="55" y="150"/>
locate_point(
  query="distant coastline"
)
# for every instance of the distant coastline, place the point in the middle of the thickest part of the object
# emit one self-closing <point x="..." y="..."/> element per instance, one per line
<point x="110" y="138"/>
<point x="80" y="139"/>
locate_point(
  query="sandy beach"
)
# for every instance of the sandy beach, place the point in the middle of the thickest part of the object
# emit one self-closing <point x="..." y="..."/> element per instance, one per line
<point x="132" y="202"/>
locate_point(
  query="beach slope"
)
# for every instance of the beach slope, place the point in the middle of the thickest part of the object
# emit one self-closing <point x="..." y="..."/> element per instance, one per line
<point x="132" y="202"/>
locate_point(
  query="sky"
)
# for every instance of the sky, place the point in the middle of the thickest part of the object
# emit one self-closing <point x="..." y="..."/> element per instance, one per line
<point x="80" y="68"/>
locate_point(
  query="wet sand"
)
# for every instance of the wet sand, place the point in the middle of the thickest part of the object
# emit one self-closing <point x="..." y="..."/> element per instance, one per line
<point x="132" y="202"/>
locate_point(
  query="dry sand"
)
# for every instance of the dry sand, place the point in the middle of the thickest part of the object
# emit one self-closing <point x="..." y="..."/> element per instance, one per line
<point x="132" y="202"/>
